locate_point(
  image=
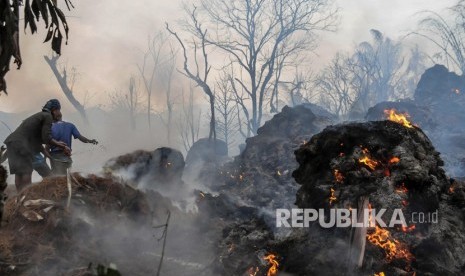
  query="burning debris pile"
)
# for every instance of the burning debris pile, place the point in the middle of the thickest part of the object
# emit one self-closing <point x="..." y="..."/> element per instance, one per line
<point x="56" y="227"/>
<point x="261" y="174"/>
<point x="205" y="156"/>
<point x="379" y="165"/>
<point x="438" y="110"/>
<point x="48" y="231"/>
<point x="439" y="86"/>
<point x="161" y="168"/>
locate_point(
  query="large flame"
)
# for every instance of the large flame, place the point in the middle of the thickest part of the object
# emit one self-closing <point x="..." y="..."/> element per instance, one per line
<point x="392" y="115"/>
<point x="393" y="248"/>
<point x="273" y="270"/>
<point x="367" y="160"/>
<point x="372" y="164"/>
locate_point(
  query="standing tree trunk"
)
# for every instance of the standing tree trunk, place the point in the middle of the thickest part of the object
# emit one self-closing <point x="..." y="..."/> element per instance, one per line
<point x="67" y="89"/>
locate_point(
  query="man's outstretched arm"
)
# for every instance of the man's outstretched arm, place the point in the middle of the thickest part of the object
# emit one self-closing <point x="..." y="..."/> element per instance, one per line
<point x="86" y="140"/>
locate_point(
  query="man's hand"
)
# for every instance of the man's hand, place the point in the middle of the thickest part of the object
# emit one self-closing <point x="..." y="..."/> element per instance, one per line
<point x="61" y="144"/>
<point x="67" y="151"/>
<point x="93" y="141"/>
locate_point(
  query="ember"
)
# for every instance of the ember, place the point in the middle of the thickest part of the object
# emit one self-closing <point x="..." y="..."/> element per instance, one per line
<point x="338" y="176"/>
<point x="273" y="270"/>
<point x="394" y="160"/>
<point x="392" y="247"/>
<point x="392" y="115"/>
<point x="380" y="274"/>
<point x="402" y="189"/>
<point x="407" y="229"/>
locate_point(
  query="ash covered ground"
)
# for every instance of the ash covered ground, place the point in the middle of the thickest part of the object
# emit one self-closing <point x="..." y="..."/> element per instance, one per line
<point x="158" y="213"/>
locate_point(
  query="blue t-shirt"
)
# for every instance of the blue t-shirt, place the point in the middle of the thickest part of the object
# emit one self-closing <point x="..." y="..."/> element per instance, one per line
<point x="63" y="131"/>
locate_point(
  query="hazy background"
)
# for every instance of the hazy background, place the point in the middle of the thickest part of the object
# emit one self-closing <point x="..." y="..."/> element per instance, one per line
<point x="107" y="41"/>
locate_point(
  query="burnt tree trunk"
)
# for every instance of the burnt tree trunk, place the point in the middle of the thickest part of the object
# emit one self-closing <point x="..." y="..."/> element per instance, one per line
<point x="63" y="82"/>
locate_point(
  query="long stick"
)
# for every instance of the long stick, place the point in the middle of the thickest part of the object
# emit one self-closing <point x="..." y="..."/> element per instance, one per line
<point x="165" y="233"/>
<point x="70" y="192"/>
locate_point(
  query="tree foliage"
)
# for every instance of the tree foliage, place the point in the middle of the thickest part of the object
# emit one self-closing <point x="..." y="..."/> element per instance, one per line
<point x="34" y="10"/>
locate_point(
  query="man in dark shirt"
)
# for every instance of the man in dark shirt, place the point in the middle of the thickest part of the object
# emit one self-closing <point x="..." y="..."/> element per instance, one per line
<point x="27" y="140"/>
<point x="64" y="131"/>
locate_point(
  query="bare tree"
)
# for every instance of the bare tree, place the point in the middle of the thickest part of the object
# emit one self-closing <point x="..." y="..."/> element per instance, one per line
<point x="334" y="84"/>
<point x="299" y="89"/>
<point x="377" y="71"/>
<point x="374" y="72"/>
<point x="256" y="33"/>
<point x="189" y="123"/>
<point x="130" y="101"/>
<point x="226" y="107"/>
<point x="151" y="64"/>
<point x="67" y="84"/>
<point x="447" y="33"/>
<point x="9" y="29"/>
<point x="198" y="75"/>
<point x="166" y="79"/>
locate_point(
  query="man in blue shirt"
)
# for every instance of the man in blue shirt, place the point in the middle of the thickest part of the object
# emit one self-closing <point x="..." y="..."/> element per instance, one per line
<point x="64" y="131"/>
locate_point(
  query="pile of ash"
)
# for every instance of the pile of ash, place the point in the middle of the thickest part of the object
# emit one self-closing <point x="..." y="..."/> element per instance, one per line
<point x="261" y="174"/>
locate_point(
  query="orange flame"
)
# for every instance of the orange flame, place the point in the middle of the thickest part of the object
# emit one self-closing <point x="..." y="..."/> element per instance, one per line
<point x="338" y="176"/>
<point x="402" y="189"/>
<point x="372" y="164"/>
<point x="392" y="247"/>
<point x="380" y="274"/>
<point x="392" y="115"/>
<point x="273" y="270"/>
<point x="394" y="160"/>
<point x="332" y="197"/>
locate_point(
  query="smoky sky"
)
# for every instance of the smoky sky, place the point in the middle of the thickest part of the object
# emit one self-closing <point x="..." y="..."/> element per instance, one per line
<point x="108" y="37"/>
